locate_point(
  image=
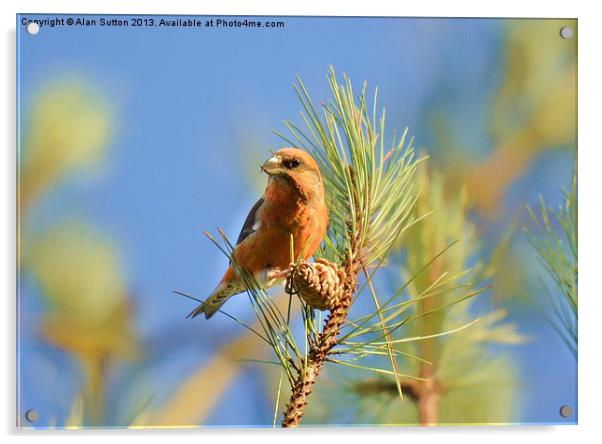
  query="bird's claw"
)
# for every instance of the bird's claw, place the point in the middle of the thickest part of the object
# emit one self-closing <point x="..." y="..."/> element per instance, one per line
<point x="276" y="275"/>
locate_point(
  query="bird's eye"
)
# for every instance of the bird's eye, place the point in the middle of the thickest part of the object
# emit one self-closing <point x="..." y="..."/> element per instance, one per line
<point x="291" y="163"/>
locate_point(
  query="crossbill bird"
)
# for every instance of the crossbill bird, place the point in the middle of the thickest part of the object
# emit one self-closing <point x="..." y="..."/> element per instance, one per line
<point x="292" y="204"/>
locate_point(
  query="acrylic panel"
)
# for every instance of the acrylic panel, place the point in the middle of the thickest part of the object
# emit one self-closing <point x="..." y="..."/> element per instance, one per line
<point x="414" y="266"/>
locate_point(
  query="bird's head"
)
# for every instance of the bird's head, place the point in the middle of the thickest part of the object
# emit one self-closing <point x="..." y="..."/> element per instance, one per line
<point x="296" y="167"/>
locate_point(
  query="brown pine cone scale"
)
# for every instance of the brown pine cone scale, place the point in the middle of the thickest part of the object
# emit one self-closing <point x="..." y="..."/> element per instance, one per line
<point x="319" y="284"/>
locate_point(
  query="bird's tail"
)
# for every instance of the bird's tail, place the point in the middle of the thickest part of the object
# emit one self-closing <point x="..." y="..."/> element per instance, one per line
<point x="220" y="295"/>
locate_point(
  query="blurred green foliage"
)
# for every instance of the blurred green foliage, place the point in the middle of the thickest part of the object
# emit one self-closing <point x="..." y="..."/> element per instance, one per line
<point x="458" y="379"/>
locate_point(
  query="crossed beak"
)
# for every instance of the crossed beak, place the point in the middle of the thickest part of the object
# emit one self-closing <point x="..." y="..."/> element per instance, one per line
<point x="271" y="166"/>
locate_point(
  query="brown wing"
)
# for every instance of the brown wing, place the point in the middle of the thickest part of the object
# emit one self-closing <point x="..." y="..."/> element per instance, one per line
<point x="250" y="225"/>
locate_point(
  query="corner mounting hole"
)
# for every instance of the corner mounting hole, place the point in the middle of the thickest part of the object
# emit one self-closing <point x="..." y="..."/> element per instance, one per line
<point x="31" y="415"/>
<point x="566" y="411"/>
<point x="32" y="28"/>
<point x="566" y="32"/>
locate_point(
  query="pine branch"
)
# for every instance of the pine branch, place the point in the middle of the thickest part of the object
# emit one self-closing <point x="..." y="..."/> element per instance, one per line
<point x="557" y="251"/>
<point x="302" y="387"/>
<point x="326" y="341"/>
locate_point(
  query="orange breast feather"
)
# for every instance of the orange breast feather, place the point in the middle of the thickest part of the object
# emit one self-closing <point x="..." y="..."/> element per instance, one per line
<point x="281" y="215"/>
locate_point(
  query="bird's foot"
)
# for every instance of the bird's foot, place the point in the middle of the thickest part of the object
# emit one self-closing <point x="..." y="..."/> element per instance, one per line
<point x="275" y="275"/>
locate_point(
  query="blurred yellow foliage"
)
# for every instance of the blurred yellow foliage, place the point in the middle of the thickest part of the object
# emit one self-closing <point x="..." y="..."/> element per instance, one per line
<point x="79" y="275"/>
<point x="539" y="89"/>
<point x="67" y="128"/>
<point x="75" y="420"/>
<point x="534" y="109"/>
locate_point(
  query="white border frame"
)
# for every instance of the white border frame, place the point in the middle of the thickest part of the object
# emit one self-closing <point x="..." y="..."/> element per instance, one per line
<point x="589" y="198"/>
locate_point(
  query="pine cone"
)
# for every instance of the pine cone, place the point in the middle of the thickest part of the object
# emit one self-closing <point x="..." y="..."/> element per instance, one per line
<point x="319" y="284"/>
